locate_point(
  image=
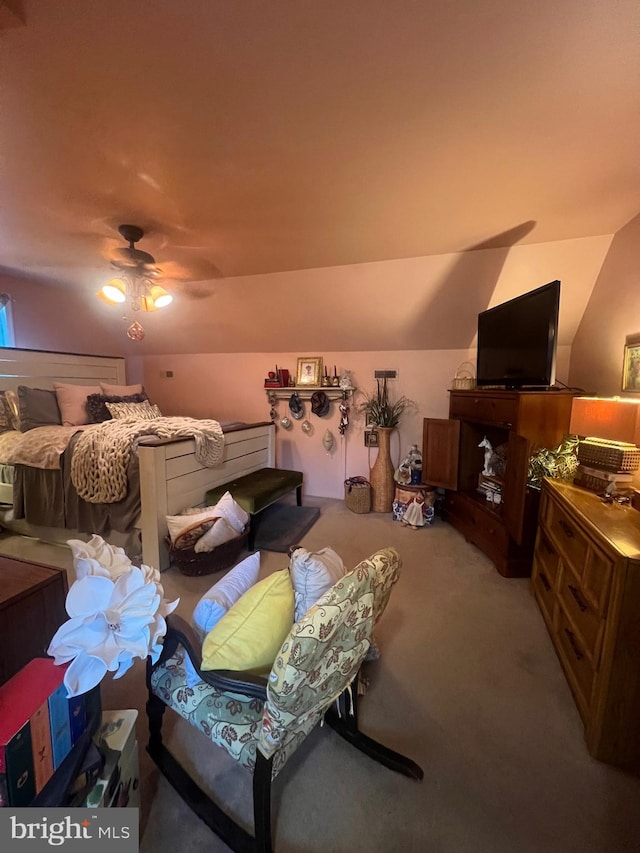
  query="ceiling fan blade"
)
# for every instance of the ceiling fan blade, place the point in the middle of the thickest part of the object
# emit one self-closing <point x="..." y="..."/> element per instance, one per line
<point x="193" y="269"/>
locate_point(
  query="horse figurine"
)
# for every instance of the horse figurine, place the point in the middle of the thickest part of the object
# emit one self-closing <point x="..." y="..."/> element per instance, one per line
<point x="488" y="453"/>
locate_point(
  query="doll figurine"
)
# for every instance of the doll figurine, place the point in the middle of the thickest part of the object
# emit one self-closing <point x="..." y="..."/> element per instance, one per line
<point x="414" y="512"/>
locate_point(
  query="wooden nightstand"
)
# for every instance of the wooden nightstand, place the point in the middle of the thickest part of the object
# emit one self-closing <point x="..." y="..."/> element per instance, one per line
<point x="32" y="600"/>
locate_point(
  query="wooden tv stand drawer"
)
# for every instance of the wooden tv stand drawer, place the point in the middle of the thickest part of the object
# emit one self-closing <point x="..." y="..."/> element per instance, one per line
<point x="497" y="409"/>
<point x="586" y="580"/>
<point x="32" y="599"/>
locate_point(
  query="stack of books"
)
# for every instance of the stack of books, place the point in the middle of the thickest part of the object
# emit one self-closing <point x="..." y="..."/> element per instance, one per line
<point x="490" y="487"/>
<point x="601" y="479"/>
<point x="38" y="727"/>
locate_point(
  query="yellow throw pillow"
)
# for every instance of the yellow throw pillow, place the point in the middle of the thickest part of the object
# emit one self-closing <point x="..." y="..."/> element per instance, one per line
<point x="249" y="635"/>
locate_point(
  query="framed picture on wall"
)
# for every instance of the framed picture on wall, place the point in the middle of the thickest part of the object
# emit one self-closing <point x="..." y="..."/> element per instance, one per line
<point x="309" y="370"/>
<point x="631" y="367"/>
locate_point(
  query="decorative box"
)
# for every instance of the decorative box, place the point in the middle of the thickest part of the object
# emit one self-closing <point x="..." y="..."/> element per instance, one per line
<point x="609" y="455"/>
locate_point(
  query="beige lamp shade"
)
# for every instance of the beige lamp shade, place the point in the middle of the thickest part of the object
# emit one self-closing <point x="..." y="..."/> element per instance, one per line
<point x="611" y="418"/>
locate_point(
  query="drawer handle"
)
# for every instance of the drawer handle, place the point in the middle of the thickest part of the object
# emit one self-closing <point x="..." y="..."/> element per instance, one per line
<point x="507" y="424"/>
<point x="574" y="592"/>
<point x="572" y="640"/>
<point x="568" y="532"/>
<point x="544" y="581"/>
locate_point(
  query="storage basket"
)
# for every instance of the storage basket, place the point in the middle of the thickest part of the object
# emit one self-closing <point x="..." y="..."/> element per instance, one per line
<point x="194" y="563"/>
<point x="610" y="455"/>
<point x="357" y="494"/>
<point x="465" y="378"/>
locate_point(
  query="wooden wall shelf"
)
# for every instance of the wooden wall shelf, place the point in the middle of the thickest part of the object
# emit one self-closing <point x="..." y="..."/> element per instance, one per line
<point x="305" y="392"/>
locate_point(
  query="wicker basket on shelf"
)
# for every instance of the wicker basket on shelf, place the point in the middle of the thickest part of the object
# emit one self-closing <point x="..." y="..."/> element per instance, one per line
<point x="357" y="494"/>
<point x="194" y="563"/>
<point x="465" y="378"/>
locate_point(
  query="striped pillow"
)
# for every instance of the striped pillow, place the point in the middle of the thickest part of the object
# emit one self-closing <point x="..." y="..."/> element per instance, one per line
<point x="144" y="411"/>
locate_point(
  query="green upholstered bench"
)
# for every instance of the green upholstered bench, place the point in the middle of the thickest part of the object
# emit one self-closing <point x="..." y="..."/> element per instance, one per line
<point x="258" y="490"/>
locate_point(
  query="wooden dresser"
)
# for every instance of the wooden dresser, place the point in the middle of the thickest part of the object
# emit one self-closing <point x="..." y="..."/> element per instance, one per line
<point x="586" y="580"/>
<point x="32" y="598"/>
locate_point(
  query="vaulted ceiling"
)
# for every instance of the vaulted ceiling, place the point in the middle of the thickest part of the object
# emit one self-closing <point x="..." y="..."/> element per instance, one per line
<point x="251" y="137"/>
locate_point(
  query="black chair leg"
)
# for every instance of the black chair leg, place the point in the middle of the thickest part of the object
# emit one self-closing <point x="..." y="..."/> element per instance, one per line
<point x="345" y="723"/>
<point x="299" y="495"/>
<point x="155" y="712"/>
<point x="262" y="803"/>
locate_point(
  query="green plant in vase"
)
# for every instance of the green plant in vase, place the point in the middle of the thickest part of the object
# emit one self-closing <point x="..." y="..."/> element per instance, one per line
<point x="383" y="415"/>
<point x="380" y="410"/>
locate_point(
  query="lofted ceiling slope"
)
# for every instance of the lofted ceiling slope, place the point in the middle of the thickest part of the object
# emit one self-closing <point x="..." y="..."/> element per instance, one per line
<point x="251" y="138"/>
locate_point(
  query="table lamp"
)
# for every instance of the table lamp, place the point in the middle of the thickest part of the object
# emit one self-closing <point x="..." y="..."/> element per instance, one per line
<point x="609" y="433"/>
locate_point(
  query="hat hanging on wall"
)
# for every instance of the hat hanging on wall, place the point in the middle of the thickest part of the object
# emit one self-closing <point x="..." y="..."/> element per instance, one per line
<point x="319" y="403"/>
<point x="295" y="406"/>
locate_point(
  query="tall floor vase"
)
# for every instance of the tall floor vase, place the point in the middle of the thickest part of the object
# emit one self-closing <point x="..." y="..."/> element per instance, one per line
<point x="381" y="475"/>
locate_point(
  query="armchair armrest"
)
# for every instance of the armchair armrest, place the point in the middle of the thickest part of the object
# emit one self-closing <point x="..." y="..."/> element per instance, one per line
<point x="180" y="633"/>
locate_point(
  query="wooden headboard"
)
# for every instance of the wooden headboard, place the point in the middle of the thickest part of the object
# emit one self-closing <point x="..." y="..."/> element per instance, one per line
<point x="40" y="369"/>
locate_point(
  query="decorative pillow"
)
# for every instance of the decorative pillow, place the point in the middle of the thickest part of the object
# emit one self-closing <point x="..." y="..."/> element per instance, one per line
<point x="121" y="390"/>
<point x="98" y="412"/>
<point x="7" y="419"/>
<point x="186" y="529"/>
<point x="11" y="403"/>
<point x="144" y="411"/>
<point x="219" y="533"/>
<point x="231" y="522"/>
<point x="232" y="512"/>
<point x="249" y="636"/>
<point x="312" y="574"/>
<point x="37" y="407"/>
<point x="224" y="594"/>
<point x="72" y="401"/>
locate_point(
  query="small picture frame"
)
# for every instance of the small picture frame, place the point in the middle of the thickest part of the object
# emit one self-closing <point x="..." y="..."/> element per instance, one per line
<point x="631" y="367"/>
<point x="371" y="438"/>
<point x="309" y="370"/>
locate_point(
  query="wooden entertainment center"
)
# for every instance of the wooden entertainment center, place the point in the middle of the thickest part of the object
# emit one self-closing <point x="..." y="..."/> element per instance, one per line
<point x="521" y="422"/>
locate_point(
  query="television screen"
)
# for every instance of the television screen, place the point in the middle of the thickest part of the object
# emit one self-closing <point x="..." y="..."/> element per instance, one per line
<point x="517" y="340"/>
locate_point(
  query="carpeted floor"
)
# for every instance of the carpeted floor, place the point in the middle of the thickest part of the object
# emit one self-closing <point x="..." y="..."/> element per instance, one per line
<point x="468" y="685"/>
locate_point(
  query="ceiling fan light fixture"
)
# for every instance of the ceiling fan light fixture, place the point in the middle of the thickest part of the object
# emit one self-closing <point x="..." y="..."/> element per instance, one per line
<point x="160" y="297"/>
<point x="114" y="291"/>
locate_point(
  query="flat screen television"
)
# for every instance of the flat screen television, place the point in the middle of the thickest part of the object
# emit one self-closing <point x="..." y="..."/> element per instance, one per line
<point x="517" y="340"/>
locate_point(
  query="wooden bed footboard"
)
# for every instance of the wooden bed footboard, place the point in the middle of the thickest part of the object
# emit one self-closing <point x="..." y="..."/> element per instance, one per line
<point x="171" y="478"/>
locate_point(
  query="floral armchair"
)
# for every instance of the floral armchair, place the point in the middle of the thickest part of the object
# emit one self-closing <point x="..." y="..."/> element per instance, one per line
<point x="261" y="721"/>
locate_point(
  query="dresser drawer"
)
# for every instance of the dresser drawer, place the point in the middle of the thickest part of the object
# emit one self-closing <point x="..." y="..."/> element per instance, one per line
<point x="500" y="411"/>
<point x="578" y="669"/>
<point x="584" y="616"/>
<point x="566" y="536"/>
<point x="547" y="557"/>
<point x="543" y="590"/>
<point x="591" y="566"/>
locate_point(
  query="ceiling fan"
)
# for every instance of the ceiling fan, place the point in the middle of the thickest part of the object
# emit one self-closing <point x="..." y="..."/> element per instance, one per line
<point x="138" y="276"/>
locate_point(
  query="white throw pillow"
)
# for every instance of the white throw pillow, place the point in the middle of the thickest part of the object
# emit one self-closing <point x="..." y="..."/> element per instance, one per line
<point x="312" y="574"/>
<point x="224" y="594"/>
<point x="232" y="512"/>
<point x="217" y="534"/>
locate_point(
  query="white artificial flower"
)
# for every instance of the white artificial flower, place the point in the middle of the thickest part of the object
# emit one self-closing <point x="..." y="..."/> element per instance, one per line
<point x="111" y="623"/>
<point x="97" y="557"/>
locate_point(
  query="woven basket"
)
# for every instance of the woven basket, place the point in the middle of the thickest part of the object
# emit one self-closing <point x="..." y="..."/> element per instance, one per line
<point x="465" y="378"/>
<point x="357" y="494"/>
<point x="195" y="563"/>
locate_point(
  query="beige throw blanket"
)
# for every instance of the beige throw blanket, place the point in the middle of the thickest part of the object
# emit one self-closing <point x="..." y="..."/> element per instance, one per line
<point x="101" y="455"/>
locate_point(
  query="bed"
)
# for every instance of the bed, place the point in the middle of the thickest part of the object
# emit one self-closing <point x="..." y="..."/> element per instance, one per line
<point x="165" y="474"/>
